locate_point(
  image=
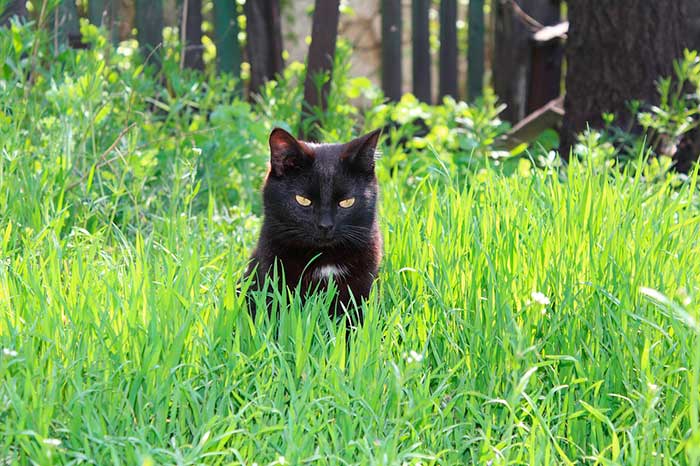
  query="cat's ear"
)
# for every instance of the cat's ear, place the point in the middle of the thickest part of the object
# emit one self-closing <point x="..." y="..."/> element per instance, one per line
<point x="360" y="152"/>
<point x="286" y="153"/>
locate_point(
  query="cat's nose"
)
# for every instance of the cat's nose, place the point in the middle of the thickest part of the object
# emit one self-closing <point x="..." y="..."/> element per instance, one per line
<point x="325" y="227"/>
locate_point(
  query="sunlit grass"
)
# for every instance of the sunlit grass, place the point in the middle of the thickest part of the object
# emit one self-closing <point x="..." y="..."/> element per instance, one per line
<point x="521" y="320"/>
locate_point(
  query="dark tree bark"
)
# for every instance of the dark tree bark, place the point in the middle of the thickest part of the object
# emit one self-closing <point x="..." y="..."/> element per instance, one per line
<point x="615" y="54"/>
<point x="324" y="33"/>
<point x="264" y="33"/>
<point x="391" y="49"/>
<point x="149" y="23"/>
<point x="475" y="50"/>
<point x="15" y="8"/>
<point x="689" y="147"/>
<point x="421" y="50"/>
<point x="448" y="48"/>
<point x="513" y="54"/>
<point x="694" y="25"/>
<point x="192" y="9"/>
<point x="228" y="50"/>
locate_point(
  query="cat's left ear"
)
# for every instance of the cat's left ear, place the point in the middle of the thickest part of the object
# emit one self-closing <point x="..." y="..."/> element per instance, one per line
<point x="361" y="152"/>
<point x="286" y="153"/>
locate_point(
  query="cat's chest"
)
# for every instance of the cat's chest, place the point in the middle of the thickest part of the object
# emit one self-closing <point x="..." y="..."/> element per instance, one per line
<point x="327" y="271"/>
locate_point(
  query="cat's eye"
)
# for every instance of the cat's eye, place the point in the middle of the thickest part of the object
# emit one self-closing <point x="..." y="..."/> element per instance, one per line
<point x="303" y="201"/>
<point x="347" y="203"/>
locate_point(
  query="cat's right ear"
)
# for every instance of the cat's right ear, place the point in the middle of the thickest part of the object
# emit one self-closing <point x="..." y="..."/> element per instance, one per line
<point x="286" y="153"/>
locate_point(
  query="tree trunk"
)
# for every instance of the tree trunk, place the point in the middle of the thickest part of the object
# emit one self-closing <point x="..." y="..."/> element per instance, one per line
<point x="689" y="148"/>
<point x="694" y="25"/>
<point x="391" y="49"/>
<point x="420" y="32"/>
<point x="149" y="23"/>
<point x="610" y="65"/>
<point x="324" y="33"/>
<point x="228" y="50"/>
<point x="448" y="48"/>
<point x="14" y="8"/>
<point x="512" y="59"/>
<point x="475" y="50"/>
<point x="264" y="33"/>
<point x="192" y="57"/>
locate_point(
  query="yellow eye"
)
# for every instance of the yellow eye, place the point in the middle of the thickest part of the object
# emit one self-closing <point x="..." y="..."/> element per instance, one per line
<point x="302" y="200"/>
<point x="346" y="203"/>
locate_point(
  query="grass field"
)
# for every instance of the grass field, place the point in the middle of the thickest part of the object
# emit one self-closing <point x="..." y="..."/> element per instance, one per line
<point x="137" y="350"/>
<point x="548" y="317"/>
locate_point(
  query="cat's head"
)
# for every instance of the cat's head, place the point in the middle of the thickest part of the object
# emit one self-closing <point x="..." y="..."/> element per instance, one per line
<point x="321" y="195"/>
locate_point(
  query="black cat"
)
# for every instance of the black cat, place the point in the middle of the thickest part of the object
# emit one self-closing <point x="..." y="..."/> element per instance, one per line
<point x="320" y="217"/>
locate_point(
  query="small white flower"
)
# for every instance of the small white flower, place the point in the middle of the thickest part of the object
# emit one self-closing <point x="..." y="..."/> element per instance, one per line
<point x="281" y="460"/>
<point x="54" y="442"/>
<point x="540" y="298"/>
<point x="9" y="353"/>
<point x="414" y="356"/>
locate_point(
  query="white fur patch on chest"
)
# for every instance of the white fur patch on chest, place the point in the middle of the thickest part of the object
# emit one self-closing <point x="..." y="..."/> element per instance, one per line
<point x="327" y="271"/>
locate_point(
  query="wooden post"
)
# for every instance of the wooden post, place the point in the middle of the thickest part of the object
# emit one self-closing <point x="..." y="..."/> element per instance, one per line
<point x="264" y="31"/>
<point x="104" y="13"/>
<point x="475" y="50"/>
<point x="96" y="10"/>
<point x="149" y="23"/>
<point x="228" y="49"/>
<point x="192" y="56"/>
<point x="391" y="49"/>
<point x="515" y="23"/>
<point x="66" y="26"/>
<point x="324" y="33"/>
<point x="448" y="49"/>
<point x="421" y="50"/>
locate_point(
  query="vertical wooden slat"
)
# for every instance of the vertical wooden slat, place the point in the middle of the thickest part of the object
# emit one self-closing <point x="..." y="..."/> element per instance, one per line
<point x="264" y="37"/>
<point x="475" y="50"/>
<point x="104" y="13"/>
<point x="149" y="23"/>
<point x="66" y="26"/>
<point x="391" y="49"/>
<point x="228" y="49"/>
<point x="193" y="51"/>
<point x="512" y="61"/>
<point x="96" y="10"/>
<point x="420" y="14"/>
<point x="448" y="48"/>
<point x="324" y="33"/>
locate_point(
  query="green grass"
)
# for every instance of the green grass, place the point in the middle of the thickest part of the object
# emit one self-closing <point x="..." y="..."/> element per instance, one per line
<point x="132" y="348"/>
